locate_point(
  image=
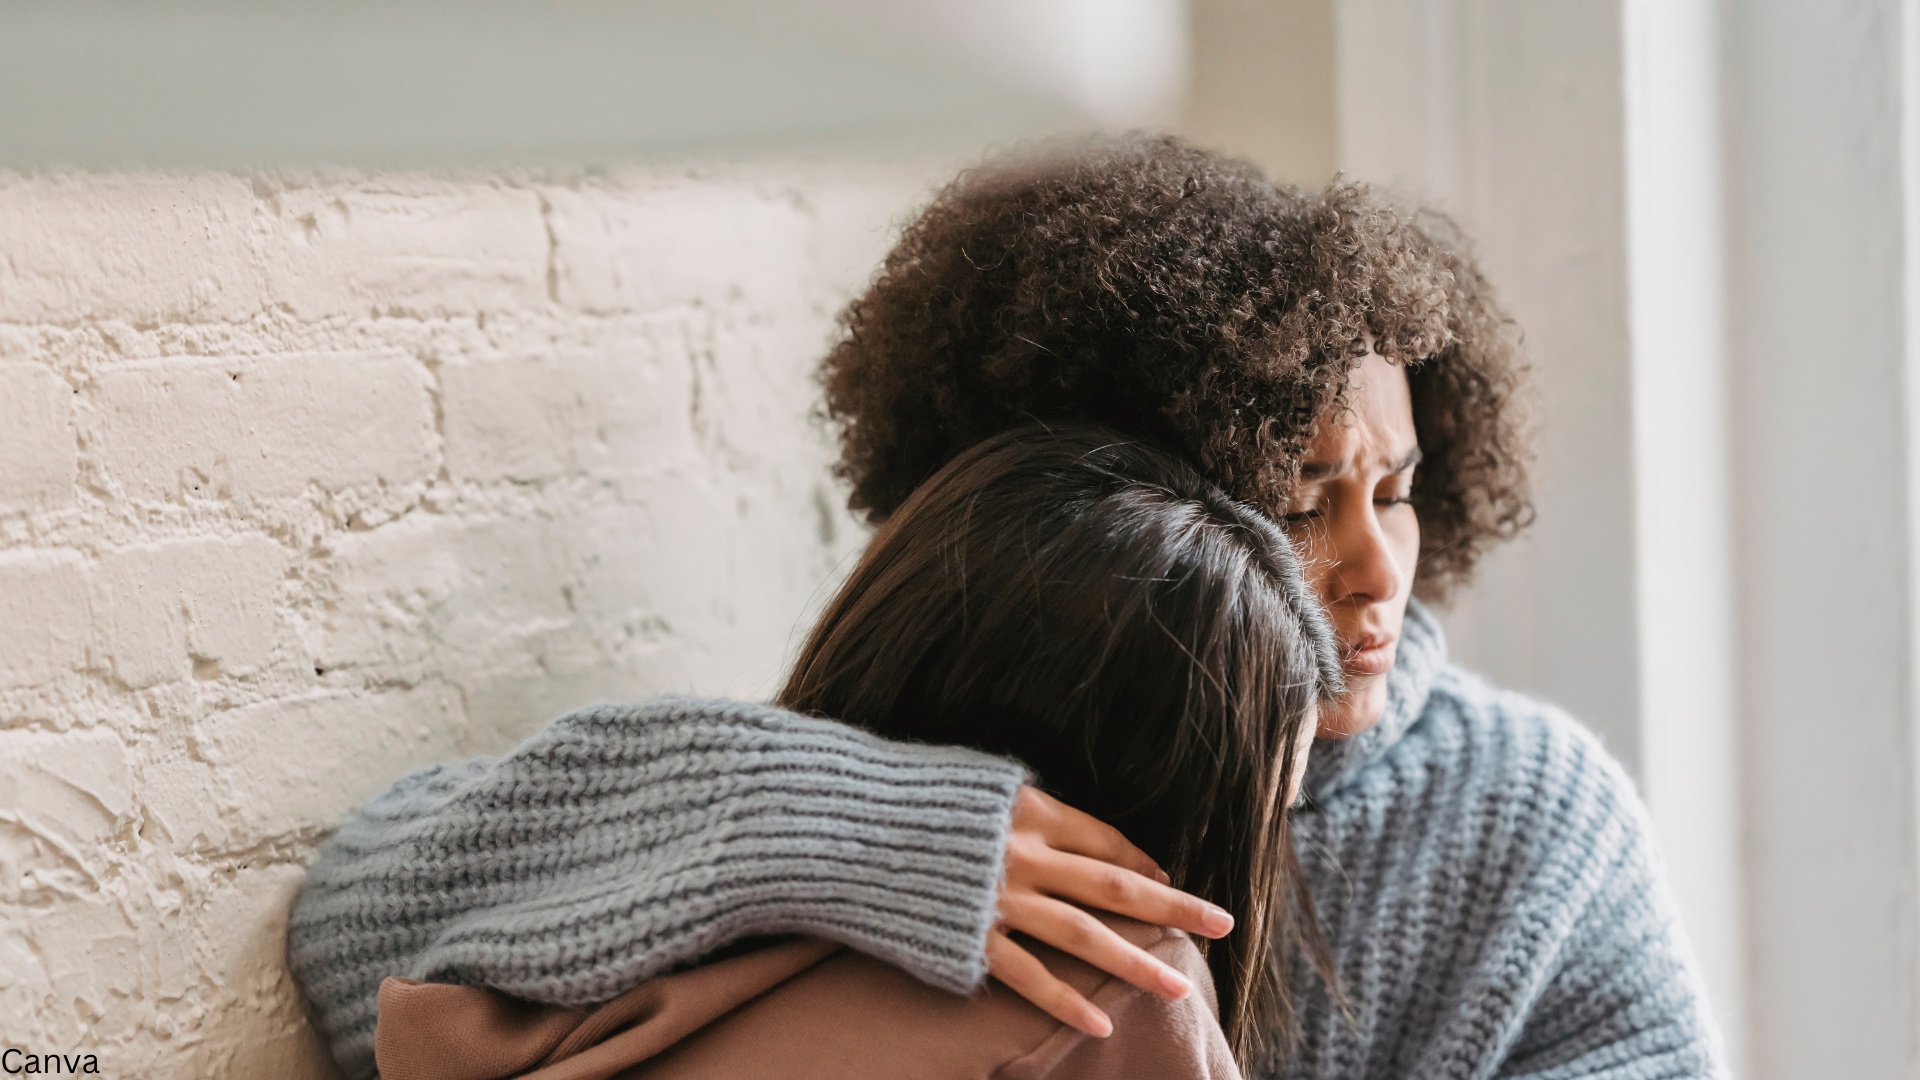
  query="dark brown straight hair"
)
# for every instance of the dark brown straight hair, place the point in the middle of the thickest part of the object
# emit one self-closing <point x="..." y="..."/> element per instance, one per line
<point x="1089" y="604"/>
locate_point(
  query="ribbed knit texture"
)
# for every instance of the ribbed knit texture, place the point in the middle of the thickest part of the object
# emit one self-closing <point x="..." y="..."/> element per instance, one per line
<point x="623" y="841"/>
<point x="1483" y="870"/>
<point x="1486" y="878"/>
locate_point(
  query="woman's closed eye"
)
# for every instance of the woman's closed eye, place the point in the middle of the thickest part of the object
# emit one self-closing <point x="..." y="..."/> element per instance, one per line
<point x="1395" y="489"/>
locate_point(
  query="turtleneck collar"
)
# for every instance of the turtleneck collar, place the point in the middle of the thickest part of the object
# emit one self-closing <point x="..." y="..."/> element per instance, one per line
<point x="1423" y="651"/>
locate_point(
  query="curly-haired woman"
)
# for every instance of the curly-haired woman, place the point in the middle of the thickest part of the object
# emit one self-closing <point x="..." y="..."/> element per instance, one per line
<point x="1481" y="871"/>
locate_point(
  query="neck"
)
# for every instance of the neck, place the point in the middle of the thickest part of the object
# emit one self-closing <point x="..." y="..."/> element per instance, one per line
<point x="1423" y="651"/>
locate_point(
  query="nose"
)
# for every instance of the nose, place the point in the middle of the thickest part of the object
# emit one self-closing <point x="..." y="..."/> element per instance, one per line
<point x="1365" y="569"/>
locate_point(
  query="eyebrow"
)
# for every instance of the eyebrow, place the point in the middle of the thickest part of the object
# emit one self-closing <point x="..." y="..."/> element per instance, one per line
<point x="1327" y="470"/>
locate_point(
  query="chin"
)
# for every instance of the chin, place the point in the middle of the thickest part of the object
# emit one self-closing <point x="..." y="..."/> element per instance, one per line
<point x="1366" y="700"/>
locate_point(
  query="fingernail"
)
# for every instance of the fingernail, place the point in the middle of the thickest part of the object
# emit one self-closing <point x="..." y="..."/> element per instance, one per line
<point x="1098" y="1025"/>
<point x="1173" y="985"/>
<point x="1165" y="878"/>
<point x="1215" y="921"/>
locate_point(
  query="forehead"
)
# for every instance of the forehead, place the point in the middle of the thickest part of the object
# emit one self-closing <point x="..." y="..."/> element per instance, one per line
<point x="1377" y="418"/>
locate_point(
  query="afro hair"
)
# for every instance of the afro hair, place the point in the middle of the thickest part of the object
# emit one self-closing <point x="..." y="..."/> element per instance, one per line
<point x="1179" y="295"/>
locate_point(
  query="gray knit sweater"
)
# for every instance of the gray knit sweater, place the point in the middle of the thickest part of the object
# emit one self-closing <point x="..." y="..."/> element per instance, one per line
<point x="625" y="840"/>
<point x="1482" y="870"/>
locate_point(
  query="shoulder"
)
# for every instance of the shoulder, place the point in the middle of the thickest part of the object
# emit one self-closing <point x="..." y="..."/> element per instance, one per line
<point x="1174" y="948"/>
<point x="1507" y="781"/>
<point x="1495" y="746"/>
<point x="1152" y="1037"/>
<point x="852" y="1015"/>
<point x="1504" y="831"/>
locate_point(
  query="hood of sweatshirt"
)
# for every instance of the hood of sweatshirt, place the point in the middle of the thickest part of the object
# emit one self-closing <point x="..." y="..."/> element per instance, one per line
<point x="1423" y="652"/>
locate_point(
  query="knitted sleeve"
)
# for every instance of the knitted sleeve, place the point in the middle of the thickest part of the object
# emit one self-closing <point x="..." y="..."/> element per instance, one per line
<point x="623" y="841"/>
<point x="1621" y="998"/>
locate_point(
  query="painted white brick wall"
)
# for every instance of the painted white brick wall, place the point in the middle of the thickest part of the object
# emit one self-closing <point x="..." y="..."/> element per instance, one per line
<point x="306" y="481"/>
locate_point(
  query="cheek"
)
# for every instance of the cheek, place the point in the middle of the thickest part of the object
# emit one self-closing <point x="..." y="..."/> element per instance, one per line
<point x="1320" y="577"/>
<point x="1403" y="535"/>
<point x="1317" y="561"/>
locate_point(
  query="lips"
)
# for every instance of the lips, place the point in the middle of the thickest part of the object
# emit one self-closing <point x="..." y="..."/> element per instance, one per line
<point x="1370" y="655"/>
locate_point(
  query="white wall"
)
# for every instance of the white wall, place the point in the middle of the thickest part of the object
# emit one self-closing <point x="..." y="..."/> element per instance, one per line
<point x="1824" y="441"/>
<point x="312" y="479"/>
<point x="1683" y="478"/>
<point x="404" y="83"/>
<point x="1263" y="85"/>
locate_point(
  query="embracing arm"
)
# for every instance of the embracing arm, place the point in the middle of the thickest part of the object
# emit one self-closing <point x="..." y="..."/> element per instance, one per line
<point x="623" y="841"/>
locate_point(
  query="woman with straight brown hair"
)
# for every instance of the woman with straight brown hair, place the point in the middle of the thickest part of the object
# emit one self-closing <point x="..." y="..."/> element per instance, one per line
<point x="1067" y="597"/>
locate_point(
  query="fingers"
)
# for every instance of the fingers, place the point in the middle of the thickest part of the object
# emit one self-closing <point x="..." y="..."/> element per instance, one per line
<point x="1068" y="829"/>
<point x="1107" y="887"/>
<point x="1077" y="933"/>
<point x="1025" y="975"/>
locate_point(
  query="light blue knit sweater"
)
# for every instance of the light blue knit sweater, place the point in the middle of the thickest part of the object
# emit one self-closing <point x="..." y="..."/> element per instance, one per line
<point x="1482" y="870"/>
